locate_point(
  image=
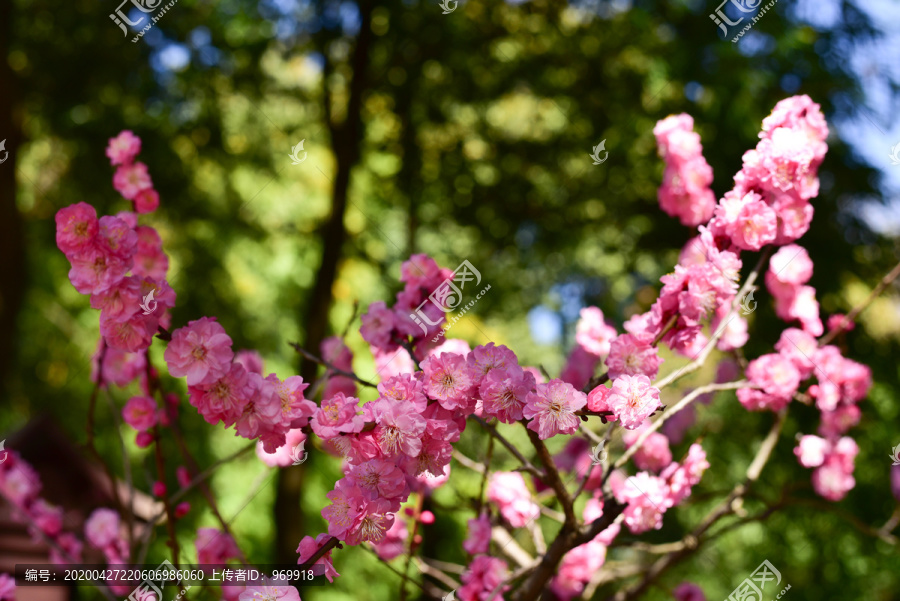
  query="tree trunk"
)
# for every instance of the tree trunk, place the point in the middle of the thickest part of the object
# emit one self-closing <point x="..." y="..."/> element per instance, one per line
<point x="12" y="244"/>
<point x="346" y="139"/>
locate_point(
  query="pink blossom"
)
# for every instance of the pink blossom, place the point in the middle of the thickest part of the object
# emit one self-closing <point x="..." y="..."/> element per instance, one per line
<point x="483" y="359"/>
<point x="800" y="347"/>
<point x="756" y="226"/>
<point x="132" y="179"/>
<point x="295" y="409"/>
<point x="479" y="539"/>
<point x="378" y="478"/>
<point x="377" y="325"/>
<point x="223" y="400"/>
<point x="251" y="360"/>
<point x="394" y="543"/>
<point x="123" y="148"/>
<point x="647" y="498"/>
<point x="834" y="423"/>
<point x="838" y="321"/>
<point x="201" y="351"/>
<point x="504" y="392"/>
<point x="286" y="454"/>
<point x="420" y="271"/>
<point x="633" y="399"/>
<point x="685" y="191"/>
<point x="681" y="478"/>
<point x="149" y="259"/>
<point x="552" y="408"/>
<point x="654" y="453"/>
<point x="399" y="428"/>
<point x="405" y="387"/>
<point x="102" y="528"/>
<point x="592" y="333"/>
<point x="811" y="450"/>
<point x="307" y="548"/>
<point x="146" y="201"/>
<point x="392" y="363"/>
<point x="94" y="269"/>
<point x="777" y="378"/>
<point x="790" y="266"/>
<point x="372" y="522"/>
<point x="447" y="380"/>
<point x="483" y="575"/>
<point x="507" y="490"/>
<point x="19" y="483"/>
<point x="76" y="228"/>
<point x="140" y="413"/>
<point x="577" y="568"/>
<point x="631" y="354"/>
<point x="119" y="367"/>
<point x="337" y="415"/>
<point x="7" y="588"/>
<point x="597" y="400"/>
<point x="261" y="414"/>
<point x="688" y="591"/>
<point x="269" y="591"/>
<point x="215" y="546"/>
<point x="48" y="518"/>
<point x="832" y="480"/>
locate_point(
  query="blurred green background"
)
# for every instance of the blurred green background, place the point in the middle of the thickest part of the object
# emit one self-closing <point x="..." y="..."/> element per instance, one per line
<point x="466" y="136"/>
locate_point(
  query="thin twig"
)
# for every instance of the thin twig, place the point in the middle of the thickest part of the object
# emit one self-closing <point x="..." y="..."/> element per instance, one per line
<point x="684" y="402"/>
<point x="849" y="318"/>
<point x="553" y="479"/>
<point x="348" y="374"/>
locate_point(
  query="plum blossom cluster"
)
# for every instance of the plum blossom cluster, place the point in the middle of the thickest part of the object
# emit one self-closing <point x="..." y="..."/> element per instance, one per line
<point x="685" y="191"/>
<point x="119" y="263"/>
<point x="131" y="179"/>
<point x="769" y="203"/>
<point x="20" y="485"/>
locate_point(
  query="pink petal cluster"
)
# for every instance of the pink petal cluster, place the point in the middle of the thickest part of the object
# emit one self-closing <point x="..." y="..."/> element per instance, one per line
<point x="552" y="407"/>
<point x="685" y="191"/>
<point x="507" y="490"/>
<point x="20" y="485"/>
<point x="654" y="454"/>
<point x="648" y="496"/>
<point x="7" y="588"/>
<point x="579" y="367"/>
<point x="269" y="590"/>
<point x="577" y="568"/>
<point x="504" y="393"/>
<point x="703" y="285"/>
<point x="131" y="179"/>
<point x="633" y="399"/>
<point x="633" y="354"/>
<point x="308" y="547"/>
<point x="789" y="270"/>
<point x="770" y="199"/>
<point x="777" y="379"/>
<point x="834" y="463"/>
<point x="101" y="253"/>
<point x="102" y="531"/>
<point x="483" y="576"/>
<point x="140" y="412"/>
<point x="592" y="333"/>
<point x="215" y="546"/>
<point x="479" y="539"/>
<point x="385" y="327"/>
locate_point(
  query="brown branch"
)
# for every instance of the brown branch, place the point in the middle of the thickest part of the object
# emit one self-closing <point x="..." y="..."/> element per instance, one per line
<point x="727" y="506"/>
<point x="553" y="479"/>
<point x="852" y="315"/>
<point x="348" y="374"/>
<point x="527" y="465"/>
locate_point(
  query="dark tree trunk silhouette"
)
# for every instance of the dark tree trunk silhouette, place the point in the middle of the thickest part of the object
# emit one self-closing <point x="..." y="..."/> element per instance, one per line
<point x="346" y="138"/>
<point x="12" y="244"/>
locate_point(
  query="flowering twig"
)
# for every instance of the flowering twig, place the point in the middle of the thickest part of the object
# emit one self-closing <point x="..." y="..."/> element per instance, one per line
<point x="726" y="507"/>
<point x="849" y="318"/>
<point x="684" y="402"/>
<point x="700" y="359"/>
